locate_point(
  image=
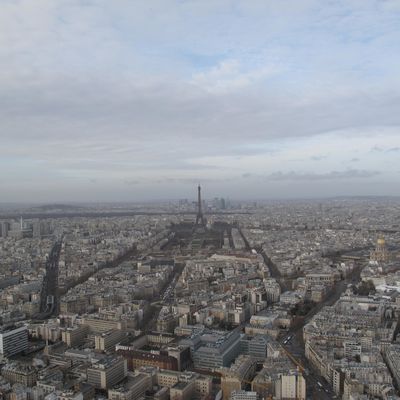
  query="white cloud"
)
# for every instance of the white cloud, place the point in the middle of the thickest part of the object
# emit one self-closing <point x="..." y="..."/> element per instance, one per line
<point x="229" y="76"/>
<point x="313" y="176"/>
<point x="131" y="90"/>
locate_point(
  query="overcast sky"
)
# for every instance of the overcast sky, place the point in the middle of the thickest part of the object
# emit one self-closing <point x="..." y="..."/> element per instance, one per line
<point x="128" y="100"/>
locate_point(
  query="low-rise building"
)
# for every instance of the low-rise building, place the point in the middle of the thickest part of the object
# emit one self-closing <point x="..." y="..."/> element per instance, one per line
<point x="214" y="349"/>
<point x="16" y="373"/>
<point x="106" y="341"/>
<point x="75" y="335"/>
<point x="107" y="372"/>
<point x="134" y="387"/>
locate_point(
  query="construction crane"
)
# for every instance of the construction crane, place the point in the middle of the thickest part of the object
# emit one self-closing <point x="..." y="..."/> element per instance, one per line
<point x="294" y="360"/>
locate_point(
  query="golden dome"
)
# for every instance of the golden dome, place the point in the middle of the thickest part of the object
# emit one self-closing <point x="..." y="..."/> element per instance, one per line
<point x="381" y="241"/>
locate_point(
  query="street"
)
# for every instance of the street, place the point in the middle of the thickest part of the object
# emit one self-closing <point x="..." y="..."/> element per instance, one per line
<point x="292" y="341"/>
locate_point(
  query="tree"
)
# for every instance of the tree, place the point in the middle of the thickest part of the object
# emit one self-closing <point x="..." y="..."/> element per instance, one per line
<point x="365" y="288"/>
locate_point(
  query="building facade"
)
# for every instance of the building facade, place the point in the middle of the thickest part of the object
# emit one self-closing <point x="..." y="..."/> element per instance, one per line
<point x="13" y="340"/>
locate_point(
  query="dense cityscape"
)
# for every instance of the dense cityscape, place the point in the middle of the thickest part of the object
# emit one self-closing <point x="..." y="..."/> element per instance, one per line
<point x="201" y="299"/>
<point x="199" y="200"/>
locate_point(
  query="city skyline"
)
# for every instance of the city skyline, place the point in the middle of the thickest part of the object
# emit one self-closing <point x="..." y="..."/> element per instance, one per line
<point x="144" y="100"/>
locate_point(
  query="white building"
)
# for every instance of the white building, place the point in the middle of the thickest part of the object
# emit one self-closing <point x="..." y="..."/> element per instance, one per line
<point x="107" y="372"/>
<point x="243" y="395"/>
<point x="291" y="386"/>
<point x="13" y="340"/>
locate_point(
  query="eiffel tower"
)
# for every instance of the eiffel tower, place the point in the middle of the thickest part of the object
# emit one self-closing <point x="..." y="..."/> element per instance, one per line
<point x="200" y="220"/>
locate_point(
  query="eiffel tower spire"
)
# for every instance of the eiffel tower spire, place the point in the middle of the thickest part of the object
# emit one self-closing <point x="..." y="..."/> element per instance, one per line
<point x="200" y="220"/>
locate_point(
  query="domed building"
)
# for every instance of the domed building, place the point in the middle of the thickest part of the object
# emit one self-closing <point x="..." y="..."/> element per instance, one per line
<point x="380" y="254"/>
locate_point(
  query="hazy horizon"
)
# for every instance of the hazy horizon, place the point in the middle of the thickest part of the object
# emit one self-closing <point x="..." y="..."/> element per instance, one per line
<point x="233" y="201"/>
<point x="131" y="101"/>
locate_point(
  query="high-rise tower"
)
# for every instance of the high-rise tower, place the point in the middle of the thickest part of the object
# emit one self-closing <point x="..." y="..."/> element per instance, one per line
<point x="200" y="220"/>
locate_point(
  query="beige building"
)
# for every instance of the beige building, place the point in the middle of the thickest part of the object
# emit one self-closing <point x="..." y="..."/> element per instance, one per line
<point x="202" y="384"/>
<point x="229" y="384"/>
<point x="182" y="391"/>
<point x="15" y="373"/>
<point x="291" y="386"/>
<point x="352" y="387"/>
<point x="318" y="293"/>
<point x="392" y="357"/>
<point x="107" y="372"/>
<point x="99" y="325"/>
<point x="235" y="377"/>
<point x="106" y="341"/>
<point x="70" y="395"/>
<point x="167" y="323"/>
<point x="132" y="389"/>
<point x="74" y="336"/>
<point x="46" y="331"/>
<point x="167" y="378"/>
<point x="272" y="290"/>
<point x="319" y="279"/>
<point x="74" y="305"/>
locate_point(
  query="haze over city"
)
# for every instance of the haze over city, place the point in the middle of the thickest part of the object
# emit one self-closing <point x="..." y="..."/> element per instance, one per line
<point x="199" y="200"/>
<point x="133" y="100"/>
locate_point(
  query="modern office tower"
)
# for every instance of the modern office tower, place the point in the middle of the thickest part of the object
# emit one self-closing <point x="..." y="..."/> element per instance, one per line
<point x="107" y="372"/>
<point x="13" y="340"/>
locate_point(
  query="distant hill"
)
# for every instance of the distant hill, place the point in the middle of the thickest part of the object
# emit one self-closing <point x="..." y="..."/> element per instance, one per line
<point x="57" y="207"/>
